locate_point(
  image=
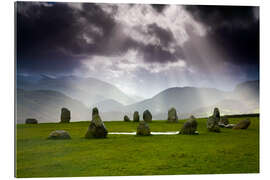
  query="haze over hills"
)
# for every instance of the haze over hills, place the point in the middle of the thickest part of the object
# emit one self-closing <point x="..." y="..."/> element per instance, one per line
<point x="108" y="105"/>
<point x="182" y="98"/>
<point x="45" y="105"/>
<point x="248" y="92"/>
<point x="87" y="90"/>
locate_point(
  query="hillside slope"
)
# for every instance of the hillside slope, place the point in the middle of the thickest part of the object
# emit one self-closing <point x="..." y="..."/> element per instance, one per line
<point x="87" y="90"/>
<point x="46" y="106"/>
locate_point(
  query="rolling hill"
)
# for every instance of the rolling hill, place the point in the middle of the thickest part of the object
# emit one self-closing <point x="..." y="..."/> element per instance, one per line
<point x="87" y="90"/>
<point x="184" y="99"/>
<point x="45" y="105"/>
<point x="108" y="105"/>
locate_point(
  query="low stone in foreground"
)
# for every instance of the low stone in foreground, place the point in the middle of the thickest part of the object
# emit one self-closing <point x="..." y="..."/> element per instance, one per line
<point x="189" y="127"/>
<point x="143" y="129"/>
<point x="212" y="124"/>
<point x="242" y="124"/>
<point x="31" y="121"/>
<point x="59" y="134"/>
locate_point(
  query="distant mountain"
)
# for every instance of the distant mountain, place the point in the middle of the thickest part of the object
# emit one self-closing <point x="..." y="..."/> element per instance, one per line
<point x="226" y="107"/>
<point x="201" y="101"/>
<point x="247" y="91"/>
<point x="108" y="106"/>
<point x="184" y="99"/>
<point x="87" y="90"/>
<point x="244" y="99"/>
<point x="115" y="115"/>
<point x="45" y="106"/>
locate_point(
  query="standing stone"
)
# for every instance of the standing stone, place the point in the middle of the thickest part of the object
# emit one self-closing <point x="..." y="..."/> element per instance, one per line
<point x="59" y="134"/>
<point x="216" y="113"/>
<point x="31" y="121"/>
<point x="96" y="128"/>
<point x="192" y="117"/>
<point x="65" y="115"/>
<point x="126" y="118"/>
<point x="147" y="116"/>
<point x="172" y="115"/>
<point x="242" y="124"/>
<point x="212" y="124"/>
<point x="143" y="129"/>
<point x="94" y="112"/>
<point x="136" y="116"/>
<point x="189" y="127"/>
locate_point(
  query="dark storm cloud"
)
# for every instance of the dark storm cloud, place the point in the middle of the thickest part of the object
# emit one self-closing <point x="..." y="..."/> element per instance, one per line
<point x="159" y="7"/>
<point x="155" y="53"/>
<point x="159" y="52"/>
<point x="56" y="37"/>
<point x="42" y="37"/>
<point x="164" y="35"/>
<point x="234" y="28"/>
<point x="160" y="46"/>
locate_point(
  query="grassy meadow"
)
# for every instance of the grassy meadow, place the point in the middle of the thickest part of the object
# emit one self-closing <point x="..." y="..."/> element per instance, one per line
<point x="231" y="151"/>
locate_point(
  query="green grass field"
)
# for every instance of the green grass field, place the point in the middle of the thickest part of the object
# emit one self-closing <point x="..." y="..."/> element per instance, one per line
<point x="231" y="151"/>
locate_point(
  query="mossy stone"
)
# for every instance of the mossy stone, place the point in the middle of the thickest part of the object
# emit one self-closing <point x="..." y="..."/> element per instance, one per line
<point x="212" y="124"/>
<point x="96" y="128"/>
<point x="143" y="129"/>
<point x="147" y="116"/>
<point x="136" y="116"/>
<point x="31" y="121"/>
<point x="189" y="127"/>
<point x="59" y="134"/>
<point x="65" y="115"/>
<point x="126" y="118"/>
<point x="242" y="124"/>
<point x="172" y="115"/>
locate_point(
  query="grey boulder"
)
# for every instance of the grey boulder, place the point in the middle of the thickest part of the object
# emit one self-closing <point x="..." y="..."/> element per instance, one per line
<point x="59" y="134"/>
<point x="143" y="129"/>
<point x="172" y="115"/>
<point x="242" y="124"/>
<point x="147" y="116"/>
<point x="189" y="127"/>
<point x="212" y="124"/>
<point x="31" y="121"/>
<point x="136" y="116"/>
<point x="126" y="118"/>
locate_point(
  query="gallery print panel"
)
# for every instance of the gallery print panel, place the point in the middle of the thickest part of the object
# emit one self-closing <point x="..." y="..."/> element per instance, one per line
<point x="136" y="89"/>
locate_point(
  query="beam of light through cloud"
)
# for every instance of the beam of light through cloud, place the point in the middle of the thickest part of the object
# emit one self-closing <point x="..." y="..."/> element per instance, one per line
<point x="141" y="49"/>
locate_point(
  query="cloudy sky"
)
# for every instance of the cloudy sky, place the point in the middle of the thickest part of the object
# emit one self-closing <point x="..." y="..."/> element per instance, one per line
<point x="142" y="49"/>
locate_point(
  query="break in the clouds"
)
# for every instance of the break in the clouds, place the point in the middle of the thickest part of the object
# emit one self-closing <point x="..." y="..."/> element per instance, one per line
<point x="142" y="49"/>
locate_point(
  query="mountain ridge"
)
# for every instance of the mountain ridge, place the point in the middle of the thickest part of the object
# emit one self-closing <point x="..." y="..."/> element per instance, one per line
<point x="187" y="100"/>
<point x="88" y="90"/>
